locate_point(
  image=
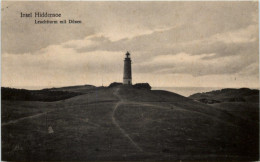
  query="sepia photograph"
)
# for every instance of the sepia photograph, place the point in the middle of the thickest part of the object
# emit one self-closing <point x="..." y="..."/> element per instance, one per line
<point x="129" y="81"/>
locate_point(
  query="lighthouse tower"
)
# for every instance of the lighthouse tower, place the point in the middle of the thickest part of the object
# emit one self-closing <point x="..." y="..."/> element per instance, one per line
<point x="127" y="79"/>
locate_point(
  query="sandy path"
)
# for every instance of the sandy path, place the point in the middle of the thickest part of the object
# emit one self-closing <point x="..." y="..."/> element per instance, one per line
<point x="39" y="115"/>
<point x="181" y="109"/>
<point x="121" y="101"/>
<point x="24" y="118"/>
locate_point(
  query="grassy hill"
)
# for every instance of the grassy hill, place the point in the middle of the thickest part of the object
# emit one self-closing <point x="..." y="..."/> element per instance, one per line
<point x="80" y="88"/>
<point x="47" y="95"/>
<point x="228" y="95"/>
<point x="243" y="102"/>
<point x="124" y="123"/>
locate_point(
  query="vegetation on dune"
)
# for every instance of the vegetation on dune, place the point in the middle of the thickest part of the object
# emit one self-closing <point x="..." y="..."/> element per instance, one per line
<point x="228" y="95"/>
<point x="35" y="95"/>
<point x="69" y="88"/>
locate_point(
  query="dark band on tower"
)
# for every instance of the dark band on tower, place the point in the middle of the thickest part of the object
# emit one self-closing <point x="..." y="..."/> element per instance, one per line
<point x="127" y="79"/>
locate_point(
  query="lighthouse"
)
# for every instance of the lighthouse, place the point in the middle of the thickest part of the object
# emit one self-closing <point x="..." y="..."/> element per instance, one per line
<point x="127" y="79"/>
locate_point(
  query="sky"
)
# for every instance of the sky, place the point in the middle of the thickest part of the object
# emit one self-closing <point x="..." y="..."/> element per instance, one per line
<point x="172" y="44"/>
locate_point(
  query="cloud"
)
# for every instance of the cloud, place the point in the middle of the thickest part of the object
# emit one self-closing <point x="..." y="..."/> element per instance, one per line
<point x="241" y="42"/>
<point x="59" y="66"/>
<point x="122" y="20"/>
<point x="195" y="65"/>
<point x="243" y="35"/>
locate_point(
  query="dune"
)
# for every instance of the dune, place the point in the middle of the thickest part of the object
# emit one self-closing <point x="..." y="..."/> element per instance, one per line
<point x="125" y="123"/>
